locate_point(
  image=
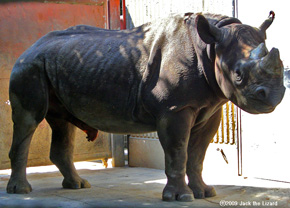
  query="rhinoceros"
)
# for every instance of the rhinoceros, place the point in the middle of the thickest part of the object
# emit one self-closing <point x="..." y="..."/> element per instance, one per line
<point x="171" y="76"/>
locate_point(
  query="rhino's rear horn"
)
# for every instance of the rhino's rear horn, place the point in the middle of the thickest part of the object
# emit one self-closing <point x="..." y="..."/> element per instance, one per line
<point x="264" y="26"/>
<point x="259" y="52"/>
<point x="272" y="63"/>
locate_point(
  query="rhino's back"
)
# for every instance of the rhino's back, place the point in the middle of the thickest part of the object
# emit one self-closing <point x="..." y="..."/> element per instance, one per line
<point x="95" y="73"/>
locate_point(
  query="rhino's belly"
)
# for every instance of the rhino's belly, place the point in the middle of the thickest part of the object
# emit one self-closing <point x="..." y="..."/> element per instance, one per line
<point x="112" y="119"/>
<point x="110" y="109"/>
<point x="124" y="127"/>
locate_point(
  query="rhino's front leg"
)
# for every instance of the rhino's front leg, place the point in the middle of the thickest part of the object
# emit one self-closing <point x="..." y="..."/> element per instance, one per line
<point x="199" y="140"/>
<point x="173" y="131"/>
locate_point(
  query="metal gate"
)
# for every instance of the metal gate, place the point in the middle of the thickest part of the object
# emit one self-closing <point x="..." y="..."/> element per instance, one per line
<point x="24" y="22"/>
<point x="227" y="132"/>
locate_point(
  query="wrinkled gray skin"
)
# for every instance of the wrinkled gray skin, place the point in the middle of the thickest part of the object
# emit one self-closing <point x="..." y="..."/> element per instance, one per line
<point x="171" y="76"/>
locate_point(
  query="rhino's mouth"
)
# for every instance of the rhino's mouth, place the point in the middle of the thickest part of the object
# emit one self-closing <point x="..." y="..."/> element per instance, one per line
<point x="255" y="104"/>
<point x="264" y="109"/>
<point x="257" y="108"/>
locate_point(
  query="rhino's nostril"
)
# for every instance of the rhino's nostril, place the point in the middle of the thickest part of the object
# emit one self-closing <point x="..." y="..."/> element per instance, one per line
<point x="262" y="93"/>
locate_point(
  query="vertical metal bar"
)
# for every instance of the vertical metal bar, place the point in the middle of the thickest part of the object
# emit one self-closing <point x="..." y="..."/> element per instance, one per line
<point x="217" y="137"/>
<point x="235" y="8"/>
<point x="239" y="123"/>
<point x="239" y="143"/>
<point x="118" y="156"/>
<point x="124" y="14"/>
<point x="128" y="145"/>
<point x="222" y="128"/>
<point x="233" y="124"/>
<point x="108" y="15"/>
<point x="228" y="123"/>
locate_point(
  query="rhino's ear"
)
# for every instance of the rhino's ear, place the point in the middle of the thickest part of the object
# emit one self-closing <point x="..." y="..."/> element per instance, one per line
<point x="207" y="32"/>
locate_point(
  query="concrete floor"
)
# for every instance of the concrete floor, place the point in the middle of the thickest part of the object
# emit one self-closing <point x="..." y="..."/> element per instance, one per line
<point x="134" y="187"/>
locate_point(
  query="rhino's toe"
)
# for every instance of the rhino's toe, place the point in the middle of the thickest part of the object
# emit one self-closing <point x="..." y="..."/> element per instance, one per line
<point x="209" y="191"/>
<point x="179" y="194"/>
<point x="168" y="195"/>
<point x="201" y="193"/>
<point x="185" y="197"/>
<point x="76" y="184"/>
<point x="18" y="187"/>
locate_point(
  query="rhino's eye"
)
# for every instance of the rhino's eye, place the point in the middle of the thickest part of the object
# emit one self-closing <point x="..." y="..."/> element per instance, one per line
<point x="238" y="76"/>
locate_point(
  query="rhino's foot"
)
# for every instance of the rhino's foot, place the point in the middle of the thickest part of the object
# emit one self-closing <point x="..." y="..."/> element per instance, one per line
<point x="200" y="192"/>
<point x="18" y="187"/>
<point x="171" y="193"/>
<point x="76" y="183"/>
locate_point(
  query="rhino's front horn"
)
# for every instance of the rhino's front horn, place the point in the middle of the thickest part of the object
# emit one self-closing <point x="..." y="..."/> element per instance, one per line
<point x="271" y="63"/>
<point x="264" y="26"/>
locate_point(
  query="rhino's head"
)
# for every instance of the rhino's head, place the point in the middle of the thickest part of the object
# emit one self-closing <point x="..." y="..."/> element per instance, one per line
<point x="246" y="72"/>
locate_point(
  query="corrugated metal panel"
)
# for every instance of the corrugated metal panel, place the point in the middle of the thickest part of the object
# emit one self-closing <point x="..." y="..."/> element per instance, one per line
<point x="218" y="6"/>
<point x="140" y="12"/>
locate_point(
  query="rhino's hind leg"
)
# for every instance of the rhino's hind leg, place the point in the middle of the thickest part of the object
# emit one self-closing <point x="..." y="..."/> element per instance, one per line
<point x="198" y="143"/>
<point x="61" y="152"/>
<point x="28" y="97"/>
<point x="23" y="129"/>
